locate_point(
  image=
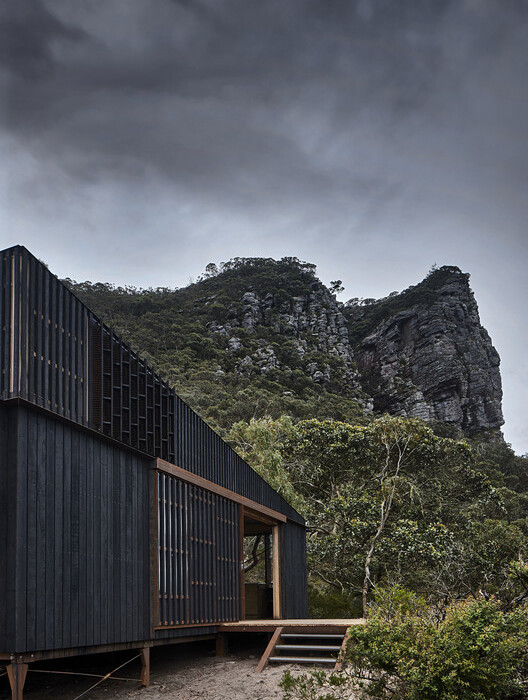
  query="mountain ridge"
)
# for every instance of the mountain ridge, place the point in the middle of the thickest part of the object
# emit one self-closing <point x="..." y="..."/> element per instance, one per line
<point x="261" y="336"/>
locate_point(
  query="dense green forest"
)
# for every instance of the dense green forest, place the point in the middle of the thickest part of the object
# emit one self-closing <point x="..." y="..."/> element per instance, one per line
<point x="425" y="536"/>
<point x="415" y="526"/>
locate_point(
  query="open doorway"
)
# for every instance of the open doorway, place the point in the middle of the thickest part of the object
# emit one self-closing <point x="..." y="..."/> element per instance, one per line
<point x="260" y="570"/>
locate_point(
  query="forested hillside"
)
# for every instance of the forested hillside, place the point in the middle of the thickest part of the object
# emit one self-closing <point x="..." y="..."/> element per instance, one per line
<point x="225" y="356"/>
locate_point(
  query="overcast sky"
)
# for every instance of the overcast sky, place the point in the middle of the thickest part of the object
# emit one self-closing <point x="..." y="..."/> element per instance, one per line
<point x="142" y="139"/>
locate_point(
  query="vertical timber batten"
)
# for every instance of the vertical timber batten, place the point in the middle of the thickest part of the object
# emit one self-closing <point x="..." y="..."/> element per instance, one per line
<point x="277" y="594"/>
<point x="12" y="329"/>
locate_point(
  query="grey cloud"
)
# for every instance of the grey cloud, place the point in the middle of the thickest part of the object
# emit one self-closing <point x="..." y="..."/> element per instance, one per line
<point x="27" y="32"/>
<point x="193" y="72"/>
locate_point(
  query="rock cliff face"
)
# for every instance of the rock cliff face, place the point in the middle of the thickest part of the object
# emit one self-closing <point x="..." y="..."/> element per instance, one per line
<point x="422" y="353"/>
<point x="425" y="354"/>
<point x="310" y="331"/>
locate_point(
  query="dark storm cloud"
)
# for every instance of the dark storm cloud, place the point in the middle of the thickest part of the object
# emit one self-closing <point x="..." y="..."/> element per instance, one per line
<point x="243" y="100"/>
<point x="206" y="49"/>
<point x="259" y="104"/>
<point x="193" y="88"/>
<point x="27" y="32"/>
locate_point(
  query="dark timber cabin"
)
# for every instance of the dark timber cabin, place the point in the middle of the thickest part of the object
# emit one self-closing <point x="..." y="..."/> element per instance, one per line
<point x="122" y="514"/>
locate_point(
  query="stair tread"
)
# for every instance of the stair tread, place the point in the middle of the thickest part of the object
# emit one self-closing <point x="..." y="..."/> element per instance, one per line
<point x="312" y="635"/>
<point x="307" y="647"/>
<point x="303" y="659"/>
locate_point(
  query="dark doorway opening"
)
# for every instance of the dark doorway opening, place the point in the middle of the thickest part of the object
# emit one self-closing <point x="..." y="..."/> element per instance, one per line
<point x="260" y="567"/>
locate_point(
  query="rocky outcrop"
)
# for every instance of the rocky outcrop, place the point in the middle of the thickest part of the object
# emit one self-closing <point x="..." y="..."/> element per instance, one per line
<point x="426" y="354"/>
<point x="422" y="353"/>
<point x="311" y="325"/>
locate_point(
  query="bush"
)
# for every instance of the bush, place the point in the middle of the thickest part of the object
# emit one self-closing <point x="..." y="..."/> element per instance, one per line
<point x="316" y="685"/>
<point x="331" y="604"/>
<point x="476" y="652"/>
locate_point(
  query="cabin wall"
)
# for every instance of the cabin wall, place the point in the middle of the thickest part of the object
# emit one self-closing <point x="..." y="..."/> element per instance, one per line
<point x="43" y="352"/>
<point x="78" y="566"/>
<point x="8" y="432"/>
<point x="80" y="540"/>
<point x="83" y="557"/>
<point x="57" y="354"/>
<point x="293" y="571"/>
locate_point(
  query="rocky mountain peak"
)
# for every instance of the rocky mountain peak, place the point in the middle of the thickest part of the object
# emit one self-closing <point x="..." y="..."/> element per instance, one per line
<point x="283" y="331"/>
<point x="424" y="353"/>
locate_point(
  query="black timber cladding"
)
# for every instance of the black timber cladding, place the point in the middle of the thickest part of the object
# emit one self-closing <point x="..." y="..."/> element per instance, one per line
<point x="293" y="571"/>
<point x="201" y="451"/>
<point x="8" y="445"/>
<point x="82" y="538"/>
<point x="81" y="418"/>
<point x="57" y="354"/>
<point x="44" y="338"/>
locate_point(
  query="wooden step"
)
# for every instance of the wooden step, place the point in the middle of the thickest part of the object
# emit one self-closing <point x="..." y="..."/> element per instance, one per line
<point x="306" y="647"/>
<point x="303" y="660"/>
<point x="334" y="653"/>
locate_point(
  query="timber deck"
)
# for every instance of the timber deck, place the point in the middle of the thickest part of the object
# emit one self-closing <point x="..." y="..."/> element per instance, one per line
<point x="307" y="625"/>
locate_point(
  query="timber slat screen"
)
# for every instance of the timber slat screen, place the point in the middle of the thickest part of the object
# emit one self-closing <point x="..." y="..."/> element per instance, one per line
<point x="129" y="402"/>
<point x="45" y="337"/>
<point x="198" y="555"/>
<point x="57" y="354"/>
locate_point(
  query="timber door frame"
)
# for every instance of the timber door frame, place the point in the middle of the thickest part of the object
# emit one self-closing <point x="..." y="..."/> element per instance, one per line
<point x="276" y="573"/>
<point x="276" y="559"/>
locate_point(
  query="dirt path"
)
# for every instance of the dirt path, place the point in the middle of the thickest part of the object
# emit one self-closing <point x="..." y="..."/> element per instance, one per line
<point x="180" y="672"/>
<point x="219" y="679"/>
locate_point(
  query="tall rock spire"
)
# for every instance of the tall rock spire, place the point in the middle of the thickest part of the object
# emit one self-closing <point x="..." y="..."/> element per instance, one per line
<point x="425" y="354"/>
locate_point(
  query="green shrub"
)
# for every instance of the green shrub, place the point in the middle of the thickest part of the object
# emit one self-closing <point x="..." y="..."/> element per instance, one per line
<point x="332" y="604"/>
<point x="477" y="651"/>
<point x="316" y="685"/>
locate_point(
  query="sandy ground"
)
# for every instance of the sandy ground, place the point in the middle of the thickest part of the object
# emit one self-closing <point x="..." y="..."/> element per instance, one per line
<point x="180" y="672"/>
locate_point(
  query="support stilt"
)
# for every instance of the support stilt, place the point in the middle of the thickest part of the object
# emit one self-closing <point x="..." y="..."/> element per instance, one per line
<point x="221" y="645"/>
<point x="145" y="666"/>
<point x="16" y="672"/>
<point x="269" y="650"/>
